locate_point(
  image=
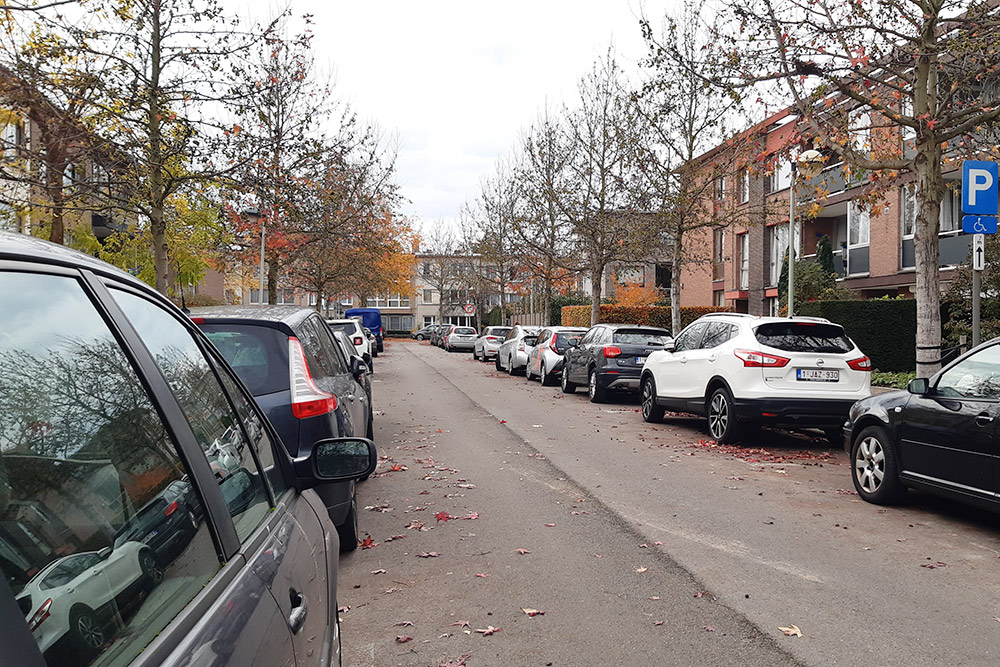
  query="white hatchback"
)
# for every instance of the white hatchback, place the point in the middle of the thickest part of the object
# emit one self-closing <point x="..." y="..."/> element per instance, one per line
<point x="740" y="369"/>
<point x="355" y="332"/>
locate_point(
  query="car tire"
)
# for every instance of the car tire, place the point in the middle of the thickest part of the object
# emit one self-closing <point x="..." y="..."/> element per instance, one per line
<point x="568" y="387"/>
<point x="151" y="569"/>
<point x="722" y="424"/>
<point x="834" y="436"/>
<point x="371" y="364"/>
<point x="499" y="367"/>
<point x="86" y="631"/>
<point x="596" y="392"/>
<point x="872" y="455"/>
<point x="475" y="354"/>
<point x="420" y="336"/>
<point x="348" y="531"/>
<point x="193" y="521"/>
<point x="527" y="371"/>
<point x="546" y="377"/>
<point x="510" y="367"/>
<point x="651" y="412"/>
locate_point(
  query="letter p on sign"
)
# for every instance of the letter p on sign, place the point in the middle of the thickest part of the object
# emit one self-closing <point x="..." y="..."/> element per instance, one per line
<point x="979" y="187"/>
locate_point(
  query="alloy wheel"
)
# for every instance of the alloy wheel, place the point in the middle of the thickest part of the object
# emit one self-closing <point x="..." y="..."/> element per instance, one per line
<point x="90" y="632"/>
<point x="647" y="399"/>
<point x="869" y="464"/>
<point x="718" y="416"/>
<point x="592" y="384"/>
<point x="152" y="568"/>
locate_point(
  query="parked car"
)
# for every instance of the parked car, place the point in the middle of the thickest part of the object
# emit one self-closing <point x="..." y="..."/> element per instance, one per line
<point x="165" y="524"/>
<point x="545" y="361"/>
<point x="610" y="358"/>
<point x="741" y="370"/>
<point x="489" y="342"/>
<point x="371" y="318"/>
<point x="424" y="332"/>
<point x="349" y="351"/>
<point x="513" y="353"/>
<point x="939" y="435"/>
<point x="439" y="333"/>
<point x="134" y="395"/>
<point x="309" y="390"/>
<point x="460" y="338"/>
<point x="355" y="332"/>
<point x="77" y="596"/>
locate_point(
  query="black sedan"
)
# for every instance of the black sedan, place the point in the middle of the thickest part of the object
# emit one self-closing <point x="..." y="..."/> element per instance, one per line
<point x="610" y="357"/>
<point x="938" y="436"/>
<point x="166" y="523"/>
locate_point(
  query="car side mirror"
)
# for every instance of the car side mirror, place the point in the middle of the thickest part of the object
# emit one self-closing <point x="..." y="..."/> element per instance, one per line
<point x="573" y="342"/>
<point x="358" y="366"/>
<point x="669" y="346"/>
<point x="104" y="553"/>
<point x="919" y="386"/>
<point x="239" y="489"/>
<point x="336" y="460"/>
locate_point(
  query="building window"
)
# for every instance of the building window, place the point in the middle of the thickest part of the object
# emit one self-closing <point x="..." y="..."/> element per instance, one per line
<point x="744" y="186"/>
<point x="254" y="296"/>
<point x="286" y="296"/>
<point x="390" y="301"/>
<point x="907" y="211"/>
<point x="347" y="301"/>
<point x="429" y="320"/>
<point x="313" y="298"/>
<point x="743" y="241"/>
<point x="12" y="136"/>
<point x="781" y="177"/>
<point x="772" y="306"/>
<point x="777" y="237"/>
<point x="718" y="254"/>
<point x="860" y="130"/>
<point x="428" y="296"/>
<point x="951" y="212"/>
<point x="858" y="225"/>
<point x="428" y="268"/>
<point x="719" y="298"/>
<point x="720" y="189"/>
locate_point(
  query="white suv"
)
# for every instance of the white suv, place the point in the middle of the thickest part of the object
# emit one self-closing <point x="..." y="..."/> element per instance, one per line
<point x="355" y="332"/>
<point x="740" y="369"/>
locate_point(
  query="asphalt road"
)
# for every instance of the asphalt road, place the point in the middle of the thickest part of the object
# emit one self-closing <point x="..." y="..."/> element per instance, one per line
<point x="664" y="549"/>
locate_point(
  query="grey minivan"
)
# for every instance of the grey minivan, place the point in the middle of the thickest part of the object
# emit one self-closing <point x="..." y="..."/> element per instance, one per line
<point x="109" y="395"/>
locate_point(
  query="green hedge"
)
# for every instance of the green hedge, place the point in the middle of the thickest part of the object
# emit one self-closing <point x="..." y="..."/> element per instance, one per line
<point x="656" y="316"/>
<point x="885" y="330"/>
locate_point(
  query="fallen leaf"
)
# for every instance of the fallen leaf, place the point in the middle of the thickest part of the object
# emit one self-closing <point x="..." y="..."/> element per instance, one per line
<point x="791" y="631"/>
<point x="379" y="571"/>
<point x="503" y="421"/>
<point x="523" y="552"/>
<point x="655" y="597"/>
<point x="442" y="516"/>
<point x="394" y="537"/>
<point x="657" y="622"/>
<point x="397" y="468"/>
<point x="459" y="662"/>
<point x="343" y="610"/>
<point x="934" y="566"/>
<point x="402" y="639"/>
<point x="641" y="569"/>
<point x="402" y="624"/>
<point x="471" y="516"/>
<point x="389" y="591"/>
<point x="462" y="624"/>
<point x="550" y="525"/>
<point x="466" y="486"/>
<point x="536" y="426"/>
<point x="482" y="575"/>
<point x="488" y="630"/>
<point x="532" y="612"/>
<point x="367" y="543"/>
<point x="428" y="554"/>
<point x="659" y="544"/>
<point x="709" y="628"/>
<point x="699" y="594"/>
<point x="643" y="546"/>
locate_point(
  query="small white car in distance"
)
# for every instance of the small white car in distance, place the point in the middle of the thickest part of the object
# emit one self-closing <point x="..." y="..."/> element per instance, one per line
<point x="489" y="342"/>
<point x="740" y="370"/>
<point x="513" y="353"/>
<point x="355" y="332"/>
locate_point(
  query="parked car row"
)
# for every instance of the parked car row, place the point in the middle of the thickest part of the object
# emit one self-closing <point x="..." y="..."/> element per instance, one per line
<point x="169" y="481"/>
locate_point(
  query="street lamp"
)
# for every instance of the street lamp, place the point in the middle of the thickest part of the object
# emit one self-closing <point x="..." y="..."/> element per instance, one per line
<point x="253" y="217"/>
<point x="809" y="164"/>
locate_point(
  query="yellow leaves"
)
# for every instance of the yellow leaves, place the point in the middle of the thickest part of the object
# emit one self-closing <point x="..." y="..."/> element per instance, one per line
<point x="791" y="631"/>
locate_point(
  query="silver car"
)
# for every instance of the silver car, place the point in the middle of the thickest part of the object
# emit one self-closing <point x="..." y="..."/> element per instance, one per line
<point x="545" y="361"/>
<point x="459" y="338"/>
<point x="489" y="342"/>
<point x="513" y="353"/>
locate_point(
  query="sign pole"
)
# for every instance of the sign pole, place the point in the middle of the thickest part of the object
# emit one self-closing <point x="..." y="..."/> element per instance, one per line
<point x="978" y="264"/>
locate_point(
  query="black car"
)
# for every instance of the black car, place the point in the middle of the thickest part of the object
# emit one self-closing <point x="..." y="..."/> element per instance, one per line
<point x="305" y="384"/>
<point x="165" y="524"/>
<point x="610" y="357"/>
<point x="940" y="435"/>
<point x="423" y="333"/>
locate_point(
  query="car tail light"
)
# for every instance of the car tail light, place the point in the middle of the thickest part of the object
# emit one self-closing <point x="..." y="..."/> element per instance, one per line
<point x="39" y="616"/>
<point x="493" y="338"/>
<point x="170" y="509"/>
<point x="755" y="359"/>
<point x="552" y="344"/>
<point x="612" y="351"/>
<point x="308" y="400"/>
<point x="358" y="340"/>
<point x="862" y="364"/>
<point x="198" y="320"/>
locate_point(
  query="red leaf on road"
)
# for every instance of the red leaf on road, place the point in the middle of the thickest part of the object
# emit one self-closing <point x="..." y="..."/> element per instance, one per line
<point x="524" y="552"/>
<point x="415" y="524"/>
<point x="402" y="639"/>
<point x="643" y="546"/>
<point x="550" y="525"/>
<point x="657" y="622"/>
<point x="442" y="516"/>
<point x="503" y="421"/>
<point x="482" y="575"/>
<point x="368" y="543"/>
<point x="459" y="662"/>
<point x="472" y="515"/>
<point x="397" y="467"/>
<point x="533" y="612"/>
<point x="488" y="630"/>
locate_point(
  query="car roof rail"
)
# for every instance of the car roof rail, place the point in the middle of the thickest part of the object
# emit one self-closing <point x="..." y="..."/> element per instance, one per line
<point x="812" y="319"/>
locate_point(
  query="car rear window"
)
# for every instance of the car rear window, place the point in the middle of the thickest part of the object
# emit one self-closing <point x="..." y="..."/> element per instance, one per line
<point x="804" y="337"/>
<point x="258" y="354"/>
<point x="498" y="331"/>
<point x="346" y="327"/>
<point x="640" y="337"/>
<point x="465" y="331"/>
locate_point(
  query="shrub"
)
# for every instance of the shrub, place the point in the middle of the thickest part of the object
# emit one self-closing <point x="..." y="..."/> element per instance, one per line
<point x="889" y="379"/>
<point x="885" y="330"/>
<point x="656" y="316"/>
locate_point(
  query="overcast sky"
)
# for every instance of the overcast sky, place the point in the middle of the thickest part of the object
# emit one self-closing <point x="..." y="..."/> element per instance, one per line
<point x="457" y="80"/>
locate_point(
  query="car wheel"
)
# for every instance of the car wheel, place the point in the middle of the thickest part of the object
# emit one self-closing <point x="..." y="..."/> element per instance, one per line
<point x="875" y="470"/>
<point x="348" y="530"/>
<point x="193" y="521"/>
<point x="596" y="392"/>
<point x="721" y="418"/>
<point x="651" y="412"/>
<point x="546" y="377"/>
<point x="86" y="630"/>
<point x="371" y="364"/>
<point x="564" y="382"/>
<point x="834" y="436"/>
<point x="420" y="336"/>
<point x="499" y="367"/>
<point x="475" y="354"/>
<point x="151" y="569"/>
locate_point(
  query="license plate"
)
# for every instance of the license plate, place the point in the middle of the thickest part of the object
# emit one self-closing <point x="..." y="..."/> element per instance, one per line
<point x="640" y="360"/>
<point x="817" y="375"/>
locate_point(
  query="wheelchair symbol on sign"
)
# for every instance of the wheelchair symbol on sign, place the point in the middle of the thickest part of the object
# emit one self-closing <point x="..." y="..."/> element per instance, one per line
<point x="979" y="227"/>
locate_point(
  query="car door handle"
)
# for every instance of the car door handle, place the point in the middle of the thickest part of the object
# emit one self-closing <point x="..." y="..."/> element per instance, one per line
<point x="682" y="360"/>
<point x="982" y="419"/>
<point x="712" y="358"/>
<point x="300" y="609"/>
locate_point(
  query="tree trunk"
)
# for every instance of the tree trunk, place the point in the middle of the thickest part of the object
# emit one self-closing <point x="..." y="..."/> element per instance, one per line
<point x="596" y="278"/>
<point x="930" y="192"/>
<point x="54" y="185"/>
<point x="272" y="277"/>
<point x="547" y="297"/>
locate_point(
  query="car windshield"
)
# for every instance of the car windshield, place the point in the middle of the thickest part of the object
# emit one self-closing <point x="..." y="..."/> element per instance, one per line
<point x="804" y="337"/>
<point x="641" y="337"/>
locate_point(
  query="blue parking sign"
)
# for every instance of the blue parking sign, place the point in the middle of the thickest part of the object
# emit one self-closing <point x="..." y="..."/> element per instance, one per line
<point x="980" y="187"/>
<point x="979" y="224"/>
